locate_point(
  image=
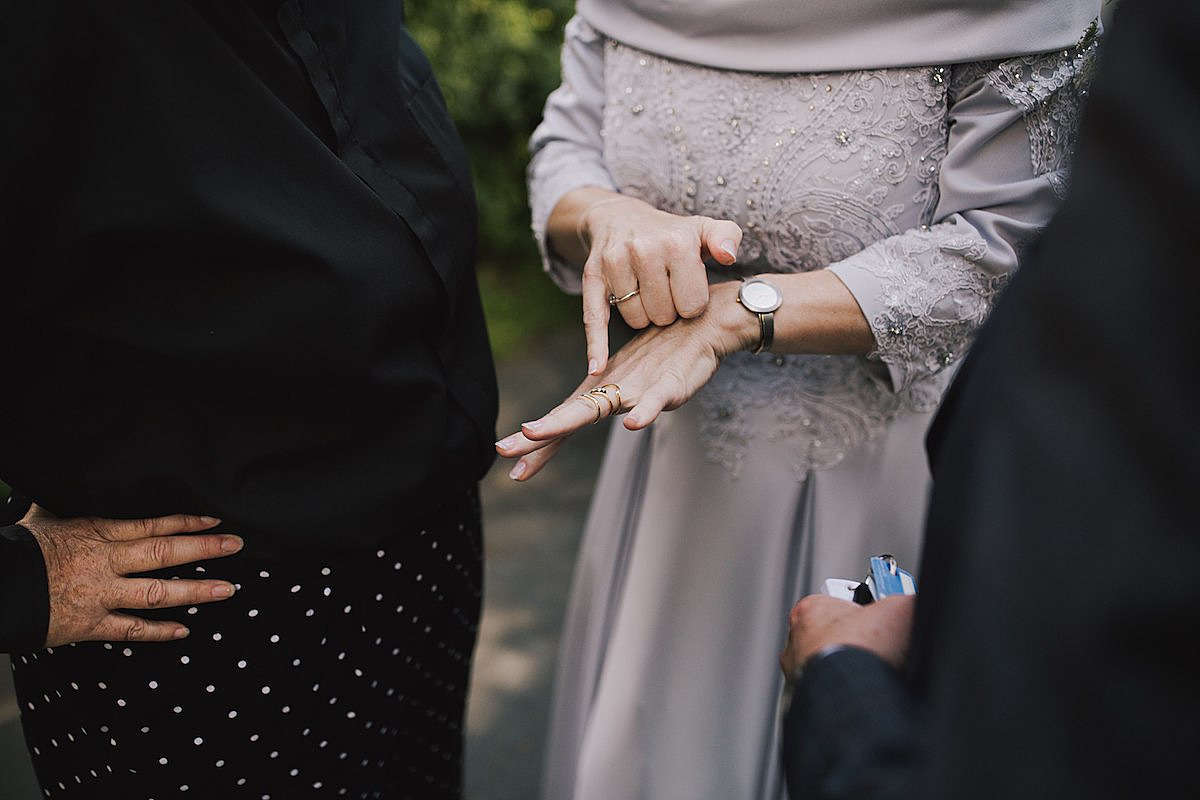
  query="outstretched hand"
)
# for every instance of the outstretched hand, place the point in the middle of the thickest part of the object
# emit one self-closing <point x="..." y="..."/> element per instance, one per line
<point x="658" y="370"/>
<point x="88" y="561"/>
<point x="649" y="264"/>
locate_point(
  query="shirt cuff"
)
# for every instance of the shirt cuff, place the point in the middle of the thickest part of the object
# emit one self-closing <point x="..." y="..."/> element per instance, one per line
<point x="24" y="592"/>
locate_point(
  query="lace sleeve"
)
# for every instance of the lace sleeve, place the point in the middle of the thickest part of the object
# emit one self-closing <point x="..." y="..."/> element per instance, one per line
<point x="1012" y="127"/>
<point x="567" y="147"/>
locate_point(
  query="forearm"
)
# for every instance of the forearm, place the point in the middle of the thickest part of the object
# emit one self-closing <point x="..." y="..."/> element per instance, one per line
<point x="852" y="730"/>
<point x="24" y="592"/>
<point x="819" y="315"/>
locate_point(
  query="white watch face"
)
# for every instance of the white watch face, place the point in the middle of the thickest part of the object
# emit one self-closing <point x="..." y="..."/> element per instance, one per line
<point x="760" y="296"/>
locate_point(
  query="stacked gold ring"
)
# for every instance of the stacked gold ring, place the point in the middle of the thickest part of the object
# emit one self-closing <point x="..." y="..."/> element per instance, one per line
<point x="591" y="399"/>
<point x="614" y="405"/>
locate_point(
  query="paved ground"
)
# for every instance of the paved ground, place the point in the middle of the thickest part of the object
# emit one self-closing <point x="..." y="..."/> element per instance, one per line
<point x="531" y="533"/>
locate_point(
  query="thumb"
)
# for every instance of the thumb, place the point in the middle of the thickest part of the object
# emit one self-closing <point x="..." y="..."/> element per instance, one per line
<point x="720" y="239"/>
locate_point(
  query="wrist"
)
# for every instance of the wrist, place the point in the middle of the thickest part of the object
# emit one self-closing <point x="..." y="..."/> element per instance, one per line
<point x="739" y="329"/>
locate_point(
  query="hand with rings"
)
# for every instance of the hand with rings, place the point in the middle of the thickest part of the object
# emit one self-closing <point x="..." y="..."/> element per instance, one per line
<point x="658" y="370"/>
<point x="647" y="264"/>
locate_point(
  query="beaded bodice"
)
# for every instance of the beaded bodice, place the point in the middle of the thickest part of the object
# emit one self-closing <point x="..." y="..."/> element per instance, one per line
<point x="815" y="169"/>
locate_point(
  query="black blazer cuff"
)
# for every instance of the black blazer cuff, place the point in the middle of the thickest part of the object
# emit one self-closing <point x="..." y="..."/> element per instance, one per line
<point x="24" y="592"/>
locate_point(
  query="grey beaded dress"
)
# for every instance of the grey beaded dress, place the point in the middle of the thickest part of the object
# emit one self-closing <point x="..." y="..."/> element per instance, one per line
<point x="918" y="187"/>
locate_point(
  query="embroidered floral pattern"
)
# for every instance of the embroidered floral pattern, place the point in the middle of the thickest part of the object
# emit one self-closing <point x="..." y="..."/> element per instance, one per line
<point x="816" y="169"/>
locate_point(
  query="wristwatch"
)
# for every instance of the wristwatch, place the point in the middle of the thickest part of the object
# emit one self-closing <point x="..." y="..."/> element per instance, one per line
<point x="761" y="297"/>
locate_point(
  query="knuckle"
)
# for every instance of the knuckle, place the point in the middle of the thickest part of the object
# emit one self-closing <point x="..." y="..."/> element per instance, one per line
<point x="136" y="628"/>
<point x="156" y="593"/>
<point x="160" y="551"/>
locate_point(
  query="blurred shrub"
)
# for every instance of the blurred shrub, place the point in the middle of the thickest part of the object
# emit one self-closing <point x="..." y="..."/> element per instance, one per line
<point x="496" y="61"/>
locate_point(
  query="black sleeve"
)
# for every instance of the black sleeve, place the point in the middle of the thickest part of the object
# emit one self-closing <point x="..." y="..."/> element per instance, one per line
<point x="24" y="592"/>
<point x="851" y="731"/>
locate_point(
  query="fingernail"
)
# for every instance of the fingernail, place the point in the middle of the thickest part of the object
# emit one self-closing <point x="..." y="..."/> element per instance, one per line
<point x="534" y="426"/>
<point x="727" y="246"/>
<point x="518" y="471"/>
<point x="210" y="520"/>
<point x="181" y="633"/>
<point x="231" y="544"/>
<point x="506" y="443"/>
<point x="222" y="590"/>
<point x="593" y="366"/>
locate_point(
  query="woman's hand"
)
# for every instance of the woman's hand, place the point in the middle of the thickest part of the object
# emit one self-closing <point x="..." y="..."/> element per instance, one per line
<point x="658" y="370"/>
<point x="88" y="561"/>
<point x="652" y="259"/>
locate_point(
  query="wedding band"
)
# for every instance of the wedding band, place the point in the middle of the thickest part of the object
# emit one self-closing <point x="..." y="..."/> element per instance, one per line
<point x="613" y="299"/>
<point x="616" y="406"/>
<point x="594" y="402"/>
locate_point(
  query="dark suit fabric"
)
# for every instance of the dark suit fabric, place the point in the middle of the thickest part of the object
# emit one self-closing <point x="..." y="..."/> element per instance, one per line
<point x="1055" y="651"/>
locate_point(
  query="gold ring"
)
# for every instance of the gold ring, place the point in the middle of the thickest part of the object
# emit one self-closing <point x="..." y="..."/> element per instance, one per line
<point x="616" y="390"/>
<point x="608" y="401"/>
<point x="596" y="403"/>
<point x="613" y="299"/>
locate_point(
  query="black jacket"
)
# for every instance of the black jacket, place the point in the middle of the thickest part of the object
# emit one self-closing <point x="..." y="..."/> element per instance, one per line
<point x="237" y="245"/>
<point x="1055" y="649"/>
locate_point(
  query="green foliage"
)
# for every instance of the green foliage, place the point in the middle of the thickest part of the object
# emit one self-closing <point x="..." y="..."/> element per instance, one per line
<point x="496" y="61"/>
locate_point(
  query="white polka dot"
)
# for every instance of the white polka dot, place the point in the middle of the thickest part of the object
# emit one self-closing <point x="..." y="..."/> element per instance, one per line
<point x="397" y="565"/>
<point x="163" y="760"/>
<point x="326" y="570"/>
<point x="295" y="588"/>
<point x="275" y="638"/>
<point x="193" y="610"/>
<point x="378" y="597"/>
<point x="380" y="554"/>
<point x="220" y="763"/>
<point x="286" y="709"/>
<point x="183" y="788"/>
<point x="210" y="688"/>
<point x="295" y="662"/>
<point x="184" y="660"/>
<point x="178" y="709"/>
<point x="241" y="665"/>
<point x="274" y="754"/>
<point x="252" y="612"/>
<point x="102" y="685"/>
<point x="266" y="690"/>
<point x="254" y="737"/>
<point x="264" y="574"/>
<point x="241" y="781"/>
<point x="232" y="714"/>
<point x="198" y="741"/>
<point x="346" y="610"/>
<point x="327" y="591"/>
<point x="308" y="613"/>
<point x="294" y="772"/>
<point x="121" y="703"/>
<point x="351" y="715"/>
<point x="216" y="637"/>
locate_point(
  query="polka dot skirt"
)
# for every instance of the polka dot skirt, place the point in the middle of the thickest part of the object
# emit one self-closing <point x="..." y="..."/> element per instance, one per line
<point x="337" y="677"/>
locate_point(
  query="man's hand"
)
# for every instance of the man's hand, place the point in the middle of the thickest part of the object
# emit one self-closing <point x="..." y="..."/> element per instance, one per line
<point x="88" y="559"/>
<point x="818" y="621"/>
